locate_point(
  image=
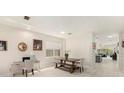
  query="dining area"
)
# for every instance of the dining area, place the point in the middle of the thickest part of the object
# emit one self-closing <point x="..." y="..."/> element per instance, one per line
<point x="31" y="68"/>
<point x="70" y="64"/>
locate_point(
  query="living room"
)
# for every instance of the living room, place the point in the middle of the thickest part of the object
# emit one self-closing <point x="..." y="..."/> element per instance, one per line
<point x="53" y="46"/>
<point x="47" y="39"/>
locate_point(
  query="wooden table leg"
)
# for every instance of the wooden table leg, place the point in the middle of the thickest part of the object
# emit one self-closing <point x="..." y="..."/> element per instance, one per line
<point x="26" y="72"/>
<point x="61" y="63"/>
<point x="73" y="67"/>
<point x="56" y="65"/>
<point x="71" y="70"/>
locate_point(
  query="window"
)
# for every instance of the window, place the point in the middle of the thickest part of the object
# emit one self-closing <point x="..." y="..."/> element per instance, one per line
<point x="49" y="53"/>
<point x="53" y="49"/>
<point x="57" y="52"/>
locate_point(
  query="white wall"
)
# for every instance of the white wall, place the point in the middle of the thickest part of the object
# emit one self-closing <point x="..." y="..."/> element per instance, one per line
<point x="14" y="36"/>
<point x="80" y="46"/>
<point x="121" y="52"/>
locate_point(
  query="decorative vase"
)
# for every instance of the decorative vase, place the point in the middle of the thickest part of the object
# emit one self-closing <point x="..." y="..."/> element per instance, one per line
<point x="66" y="56"/>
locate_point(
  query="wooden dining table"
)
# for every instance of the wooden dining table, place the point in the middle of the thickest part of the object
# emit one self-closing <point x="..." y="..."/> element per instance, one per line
<point x="69" y="64"/>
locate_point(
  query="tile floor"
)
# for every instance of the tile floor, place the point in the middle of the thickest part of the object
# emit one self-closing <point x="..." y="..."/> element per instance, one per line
<point x="107" y="68"/>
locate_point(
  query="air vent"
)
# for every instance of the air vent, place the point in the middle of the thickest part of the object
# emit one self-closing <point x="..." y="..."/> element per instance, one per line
<point x="69" y="33"/>
<point x="26" y="17"/>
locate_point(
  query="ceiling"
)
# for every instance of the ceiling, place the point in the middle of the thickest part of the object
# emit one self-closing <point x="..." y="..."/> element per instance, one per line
<point x="54" y="25"/>
<point x="107" y="39"/>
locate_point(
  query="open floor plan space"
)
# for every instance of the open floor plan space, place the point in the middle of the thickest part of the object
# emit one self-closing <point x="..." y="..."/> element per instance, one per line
<point x="105" y="69"/>
<point x="61" y="46"/>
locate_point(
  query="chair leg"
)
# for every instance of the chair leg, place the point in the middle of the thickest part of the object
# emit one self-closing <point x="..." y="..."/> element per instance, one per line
<point x="23" y="72"/>
<point x="26" y="73"/>
<point x="32" y="71"/>
<point x="80" y="69"/>
<point x="13" y="75"/>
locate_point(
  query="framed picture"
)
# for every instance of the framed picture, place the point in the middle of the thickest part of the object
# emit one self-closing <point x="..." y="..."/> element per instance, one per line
<point x="123" y="44"/>
<point x="37" y="44"/>
<point x="3" y="45"/>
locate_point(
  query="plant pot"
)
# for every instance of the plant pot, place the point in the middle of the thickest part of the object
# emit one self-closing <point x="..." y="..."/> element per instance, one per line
<point x="66" y="56"/>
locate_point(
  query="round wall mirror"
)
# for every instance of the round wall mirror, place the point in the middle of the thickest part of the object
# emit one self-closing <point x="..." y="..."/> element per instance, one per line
<point x="22" y="46"/>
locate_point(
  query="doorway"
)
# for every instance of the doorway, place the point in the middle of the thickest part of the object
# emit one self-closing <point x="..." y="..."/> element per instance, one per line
<point x="107" y="47"/>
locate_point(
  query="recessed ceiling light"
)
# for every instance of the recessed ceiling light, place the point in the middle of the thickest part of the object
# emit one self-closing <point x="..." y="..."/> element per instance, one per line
<point x="62" y="32"/>
<point x="110" y="36"/>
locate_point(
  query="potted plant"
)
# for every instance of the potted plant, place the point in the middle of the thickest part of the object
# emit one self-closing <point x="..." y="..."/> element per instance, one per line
<point x="66" y="54"/>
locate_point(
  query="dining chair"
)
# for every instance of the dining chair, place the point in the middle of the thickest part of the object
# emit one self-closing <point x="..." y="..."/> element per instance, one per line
<point x="16" y="68"/>
<point x="81" y="65"/>
<point x="37" y="62"/>
<point x="28" y="67"/>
